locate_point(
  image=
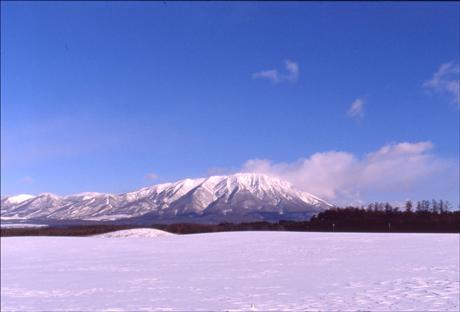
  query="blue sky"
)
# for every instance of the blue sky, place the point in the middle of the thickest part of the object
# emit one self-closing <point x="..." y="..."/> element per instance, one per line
<point x="113" y="96"/>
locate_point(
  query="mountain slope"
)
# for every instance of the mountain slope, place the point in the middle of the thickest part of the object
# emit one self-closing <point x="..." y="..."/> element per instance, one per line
<point x="238" y="197"/>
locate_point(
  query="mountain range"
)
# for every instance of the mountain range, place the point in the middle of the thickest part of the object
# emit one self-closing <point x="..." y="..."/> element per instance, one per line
<point x="233" y="198"/>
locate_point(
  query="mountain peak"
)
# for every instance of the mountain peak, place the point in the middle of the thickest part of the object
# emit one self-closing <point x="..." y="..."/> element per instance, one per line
<point x="260" y="179"/>
<point x="18" y="198"/>
<point x="239" y="197"/>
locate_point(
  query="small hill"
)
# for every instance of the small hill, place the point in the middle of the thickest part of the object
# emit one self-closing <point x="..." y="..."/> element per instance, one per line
<point x="136" y="233"/>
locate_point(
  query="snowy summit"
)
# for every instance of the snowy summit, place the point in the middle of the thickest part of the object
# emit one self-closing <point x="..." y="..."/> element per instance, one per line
<point x="238" y="197"/>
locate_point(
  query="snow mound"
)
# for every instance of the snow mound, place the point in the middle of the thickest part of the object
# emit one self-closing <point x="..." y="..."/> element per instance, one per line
<point x="136" y="233"/>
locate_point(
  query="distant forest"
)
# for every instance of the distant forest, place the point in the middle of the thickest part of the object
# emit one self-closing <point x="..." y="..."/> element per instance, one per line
<point x="422" y="217"/>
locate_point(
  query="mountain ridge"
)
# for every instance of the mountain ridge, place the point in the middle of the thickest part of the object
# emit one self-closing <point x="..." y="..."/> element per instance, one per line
<point x="241" y="196"/>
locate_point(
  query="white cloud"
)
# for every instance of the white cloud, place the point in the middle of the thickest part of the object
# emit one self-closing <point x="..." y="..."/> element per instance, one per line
<point x="151" y="176"/>
<point x="291" y="75"/>
<point x="27" y="180"/>
<point x="271" y="75"/>
<point x="342" y="177"/>
<point x="445" y="81"/>
<point x="356" y="109"/>
<point x="292" y="69"/>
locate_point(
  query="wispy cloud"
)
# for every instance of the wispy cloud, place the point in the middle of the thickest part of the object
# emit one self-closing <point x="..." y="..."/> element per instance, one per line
<point x="27" y="180"/>
<point x="342" y="177"/>
<point x="446" y="81"/>
<point x="151" y="176"/>
<point x="218" y="171"/>
<point x="271" y="75"/>
<point x="291" y="74"/>
<point x="292" y="69"/>
<point x="356" y="109"/>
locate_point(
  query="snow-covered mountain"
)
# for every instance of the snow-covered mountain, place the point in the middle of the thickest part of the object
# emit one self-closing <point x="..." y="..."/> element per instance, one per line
<point x="17" y="198"/>
<point x="238" y="197"/>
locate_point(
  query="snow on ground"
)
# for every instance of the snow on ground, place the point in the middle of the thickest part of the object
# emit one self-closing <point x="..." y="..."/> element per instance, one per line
<point x="136" y="233"/>
<point x="232" y="271"/>
<point x="21" y="225"/>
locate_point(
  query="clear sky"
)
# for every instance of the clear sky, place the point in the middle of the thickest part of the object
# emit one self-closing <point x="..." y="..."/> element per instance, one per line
<point x="351" y="101"/>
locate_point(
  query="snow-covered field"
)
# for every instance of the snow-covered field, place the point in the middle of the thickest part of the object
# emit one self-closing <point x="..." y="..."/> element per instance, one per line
<point x="21" y="225"/>
<point x="232" y="271"/>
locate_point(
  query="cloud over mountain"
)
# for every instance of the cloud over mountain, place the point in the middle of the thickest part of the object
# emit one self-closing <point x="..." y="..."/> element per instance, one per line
<point x="344" y="177"/>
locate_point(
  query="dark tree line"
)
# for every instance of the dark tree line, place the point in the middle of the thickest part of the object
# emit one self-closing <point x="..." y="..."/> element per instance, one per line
<point x="434" y="216"/>
<point x="434" y="206"/>
<point x="422" y="216"/>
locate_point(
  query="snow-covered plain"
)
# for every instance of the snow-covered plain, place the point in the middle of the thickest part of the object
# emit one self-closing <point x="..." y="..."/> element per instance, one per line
<point x="21" y="225"/>
<point x="233" y="272"/>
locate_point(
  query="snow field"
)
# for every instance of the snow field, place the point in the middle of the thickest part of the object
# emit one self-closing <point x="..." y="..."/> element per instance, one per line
<point x="236" y="271"/>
